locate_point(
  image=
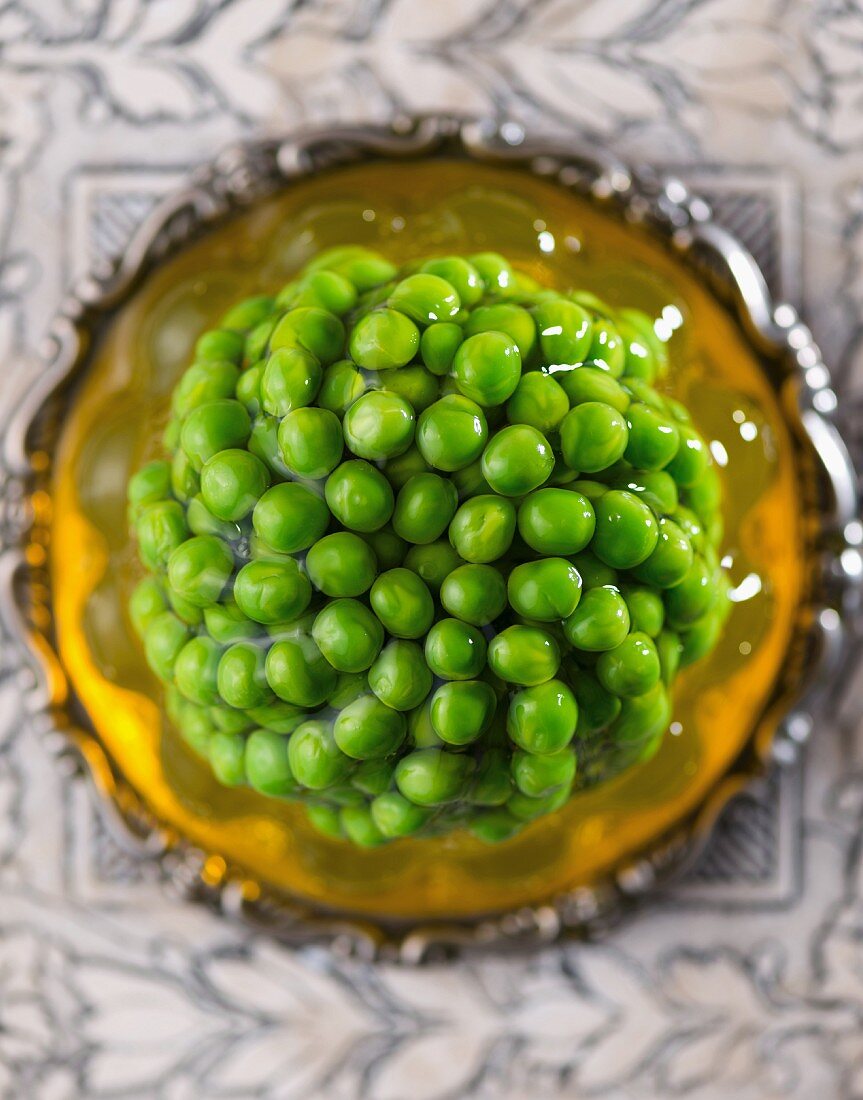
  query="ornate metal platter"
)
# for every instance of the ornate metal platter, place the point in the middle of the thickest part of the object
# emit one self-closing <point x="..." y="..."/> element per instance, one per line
<point x="251" y="173"/>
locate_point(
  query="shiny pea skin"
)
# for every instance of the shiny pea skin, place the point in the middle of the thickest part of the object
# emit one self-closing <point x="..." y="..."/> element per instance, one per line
<point x="600" y="622"/>
<point x="460" y="274"/>
<point x="146" y="602"/>
<point x="315" y="759"/>
<point x="227" y="624"/>
<point x="424" y="507"/>
<point x="341" y="564"/>
<point x="232" y="482"/>
<point x="476" y="594"/>
<point x="451" y="433"/>
<point x="564" y="331"/>
<point x="537" y="775"/>
<point x="241" y="678"/>
<point x="165" y="637"/>
<point x="380" y="425"/>
<point x="226" y="753"/>
<point x="311" y="442"/>
<point x="213" y="427"/>
<point x="656" y="488"/>
<point x="433" y="777"/>
<point x="161" y="529"/>
<point x="455" y="650"/>
<point x="517" y="460"/>
<point x="593" y="572"/>
<point x="196" y="669"/>
<point x="524" y="655"/>
<point x="671" y="559"/>
<point x="505" y="318"/>
<point x="631" y="668"/>
<point x="150" y="484"/>
<point x="272" y="591"/>
<point x="626" y="530"/>
<point x="582" y="384"/>
<point x="314" y="330"/>
<point x="483" y="528"/>
<point x="433" y="563"/>
<point x="400" y="676"/>
<point x="402" y="603"/>
<point x="542" y="718"/>
<point x="547" y="590"/>
<point x="384" y="339"/>
<point x="414" y="384"/>
<point x="461" y="711"/>
<point x="438" y="346"/>
<point x="396" y="816"/>
<point x="388" y="548"/>
<point x="268" y="769"/>
<point x="199" y="569"/>
<point x="290" y="380"/>
<point x="593" y="436"/>
<point x="539" y="401"/>
<point x="348" y="634"/>
<point x="290" y="517"/>
<point x="487" y="368"/>
<point x="342" y="384"/>
<point x="359" y="496"/>
<point x="646" y="609"/>
<point x="368" y="729"/>
<point x="298" y="673"/>
<point x="425" y="298"/>
<point x="493" y="784"/>
<point x="556" y="521"/>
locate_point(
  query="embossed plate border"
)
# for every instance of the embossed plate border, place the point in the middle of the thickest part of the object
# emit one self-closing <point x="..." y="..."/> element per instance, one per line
<point x="243" y="174"/>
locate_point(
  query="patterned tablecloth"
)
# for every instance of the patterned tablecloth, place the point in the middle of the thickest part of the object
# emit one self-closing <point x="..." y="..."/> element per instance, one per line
<point x="747" y="981"/>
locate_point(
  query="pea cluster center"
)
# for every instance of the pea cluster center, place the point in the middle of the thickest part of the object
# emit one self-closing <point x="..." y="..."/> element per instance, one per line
<point x="428" y="546"/>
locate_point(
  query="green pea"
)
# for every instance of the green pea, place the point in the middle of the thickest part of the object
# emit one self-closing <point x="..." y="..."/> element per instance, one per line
<point x="278" y="716"/>
<point x="228" y="720"/>
<point x="646" y="609"/>
<point x="258" y="339"/>
<point x="583" y="384"/>
<point x="165" y="637"/>
<point x="248" y="313"/>
<point x="469" y="481"/>
<point x="314" y="758"/>
<point x="642" y="718"/>
<point x="242" y="679"/>
<point x="359" y="827"/>
<point x="272" y="591"/>
<point x="388" y="548"/>
<point x="290" y="517"/>
<point x="199" y="569"/>
<point x="546" y="591"/>
<point x="187" y="612"/>
<point x="171" y="435"/>
<point x="693" y="596"/>
<point x="341" y="565"/>
<point x="403" y="603"/>
<point x="493" y="784"/>
<point x="161" y="529"/>
<point x="264" y="444"/>
<point x="314" y="330"/>
<point x="226" y="623"/>
<point x="416" y="385"/>
<point x="433" y="563"/>
<point x="326" y="820"/>
<point x="487" y="368"/>
<point x="593" y="572"/>
<point x="537" y="401"/>
<point x="655" y="487"/>
<point x="600" y="622"/>
<point x="483" y="528"/>
<point x="268" y="769"/>
<point x="542" y="718"/>
<point x="704" y="497"/>
<point x="556" y="521"/>
<point x="195" y="727"/>
<point x="504" y="319"/>
<point x="348" y="635"/>
<point x="424" y="507"/>
<point x="384" y="339"/>
<point x="597" y="708"/>
<point x="185" y="479"/>
<point x="248" y="389"/>
<point x="149" y="485"/>
<point x="195" y="670"/>
<point x="565" y="331"/>
<point x="341" y="386"/>
<point x="433" y="777"/>
<point x="462" y="711"/>
<point x="669" y="649"/>
<point x="524" y="655"/>
<point x="451" y="433"/>
<point x="290" y="380"/>
<point x="691" y="460"/>
<point x="460" y="274"/>
<point x="524" y="809"/>
<point x="539" y="775"/>
<point x="220" y="344"/>
<point x="298" y="672"/>
<point x="493" y="269"/>
<point x="399" y="676"/>
<point x="373" y="777"/>
<point x="213" y="427"/>
<point x="310" y="441"/>
<point x="232" y="481"/>
<point x="379" y="425"/>
<point x="517" y="460"/>
<point x="368" y="729"/>
<point x="670" y="560"/>
<point x="626" y="530"/>
<point x="359" y="496"/>
<point x="146" y="602"/>
<point x="438" y="346"/>
<point x="653" y="438"/>
<point x="455" y="650"/>
<point x="607" y="351"/>
<point x="395" y="816"/>
<point x="593" y="436"/>
<point x="631" y="668"/>
<point x="494" y="826"/>
<point x="327" y="290"/>
<point x="425" y="298"/>
<point x="226" y="753"/>
<point x="421" y="732"/>
<point x="475" y="594"/>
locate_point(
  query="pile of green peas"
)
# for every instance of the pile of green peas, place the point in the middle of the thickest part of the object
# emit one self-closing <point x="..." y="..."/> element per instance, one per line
<point x="428" y="548"/>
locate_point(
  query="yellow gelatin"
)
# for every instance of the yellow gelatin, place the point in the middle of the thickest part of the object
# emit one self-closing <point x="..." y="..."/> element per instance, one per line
<point x="723" y="704"/>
